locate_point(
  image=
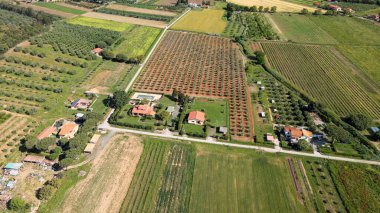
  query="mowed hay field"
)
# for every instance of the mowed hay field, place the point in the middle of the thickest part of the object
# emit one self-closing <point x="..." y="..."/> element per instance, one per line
<point x="300" y="29"/>
<point x="234" y="182"/>
<point x="204" y="21"/>
<point x="100" y="23"/>
<point x="321" y="74"/>
<point x="60" y="8"/>
<point x="109" y="178"/>
<point x="282" y="6"/>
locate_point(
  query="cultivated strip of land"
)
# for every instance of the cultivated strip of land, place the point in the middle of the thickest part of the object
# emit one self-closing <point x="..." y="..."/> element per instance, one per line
<point x="141" y="10"/>
<point x="47" y="10"/>
<point x="137" y="21"/>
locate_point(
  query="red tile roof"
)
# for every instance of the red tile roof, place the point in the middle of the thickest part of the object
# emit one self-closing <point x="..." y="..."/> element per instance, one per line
<point x="197" y="115"/>
<point x="46" y="132"/>
<point x="97" y="50"/>
<point x="67" y="128"/>
<point x="294" y="132"/>
<point x="143" y="110"/>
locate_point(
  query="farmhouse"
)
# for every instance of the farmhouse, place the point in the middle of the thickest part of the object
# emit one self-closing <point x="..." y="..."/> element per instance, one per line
<point x="80" y="104"/>
<point x="294" y="134"/>
<point x="196" y="117"/>
<point x="68" y="130"/>
<point x="46" y="132"/>
<point x="195" y="3"/>
<point x="97" y="51"/>
<point x="143" y="110"/>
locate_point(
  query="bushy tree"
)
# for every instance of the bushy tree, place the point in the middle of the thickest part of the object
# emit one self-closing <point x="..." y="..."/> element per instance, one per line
<point x="122" y="57"/>
<point x="261" y="8"/>
<point x="304" y="11"/>
<point x="318" y="12"/>
<point x="43" y="145"/>
<point x="30" y="142"/>
<point x="260" y="57"/>
<point x="273" y="9"/>
<point x="304" y="145"/>
<point x="45" y="192"/>
<point x="119" y="99"/>
<point x="65" y="163"/>
<point x="359" y="121"/>
<point x="101" y="44"/>
<point x="17" y="204"/>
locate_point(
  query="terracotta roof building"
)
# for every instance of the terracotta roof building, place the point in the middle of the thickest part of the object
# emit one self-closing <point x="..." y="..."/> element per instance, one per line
<point x="143" y="110"/>
<point x="196" y="117"/>
<point x="47" y="132"/>
<point x="68" y="130"/>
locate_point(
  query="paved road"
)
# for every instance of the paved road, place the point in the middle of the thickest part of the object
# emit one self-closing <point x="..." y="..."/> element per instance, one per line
<point x="106" y="126"/>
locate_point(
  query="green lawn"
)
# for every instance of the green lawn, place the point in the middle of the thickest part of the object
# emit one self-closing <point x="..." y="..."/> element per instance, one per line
<point x="364" y="57"/>
<point x="347" y="30"/>
<point x="60" y="8"/>
<point x="347" y="149"/>
<point x="100" y="23"/>
<point x="216" y="110"/>
<point x="227" y="181"/>
<point x="194" y="130"/>
<point x="205" y="21"/>
<point x="136" y="41"/>
<point x="300" y="29"/>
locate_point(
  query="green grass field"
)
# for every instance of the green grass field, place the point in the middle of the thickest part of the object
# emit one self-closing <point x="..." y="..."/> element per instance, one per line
<point x="302" y="2"/>
<point x="204" y="21"/>
<point x="300" y="29"/>
<point x="225" y="181"/>
<point x="60" y="8"/>
<point x="136" y="41"/>
<point x="366" y="58"/>
<point x="100" y="23"/>
<point x="317" y="71"/>
<point x="351" y="31"/>
<point x="347" y="149"/>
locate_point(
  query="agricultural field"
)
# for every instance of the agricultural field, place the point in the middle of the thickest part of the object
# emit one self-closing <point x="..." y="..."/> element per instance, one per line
<point x="100" y="23"/>
<point x="105" y="186"/>
<point x="229" y="181"/>
<point x="174" y="65"/>
<point x="141" y="10"/>
<point x="47" y="10"/>
<point x="147" y="16"/>
<point x="303" y="2"/>
<point x="136" y="42"/>
<point x="358" y="185"/>
<point x="61" y="8"/>
<point x="162" y="180"/>
<point x="204" y="21"/>
<point x="282" y="6"/>
<point x="250" y="26"/>
<point x="16" y="27"/>
<point x="318" y="72"/>
<point x="300" y="29"/>
<point x="4" y="117"/>
<point x="365" y="58"/>
<point x="358" y="7"/>
<point x="109" y="76"/>
<point x="124" y="19"/>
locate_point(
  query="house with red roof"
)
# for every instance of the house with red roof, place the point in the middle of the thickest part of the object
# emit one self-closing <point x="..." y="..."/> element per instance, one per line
<point x="335" y="7"/>
<point x="68" y="130"/>
<point x="143" y="110"/>
<point x="294" y="134"/>
<point x="196" y="117"/>
<point x="47" y="132"/>
<point x="97" y="51"/>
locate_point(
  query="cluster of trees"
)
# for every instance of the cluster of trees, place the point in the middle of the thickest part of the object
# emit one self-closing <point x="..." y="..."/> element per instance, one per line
<point x="72" y="62"/>
<point x="328" y="12"/>
<point x="363" y="1"/>
<point x="20" y="110"/>
<point x="48" y="189"/>
<point x="359" y="121"/>
<point x="17" y="204"/>
<point x="21" y="96"/>
<point x="234" y="7"/>
<point x="134" y="14"/>
<point x="121" y="57"/>
<point x="41" y="17"/>
<point x="31" y="52"/>
<point x="30" y="86"/>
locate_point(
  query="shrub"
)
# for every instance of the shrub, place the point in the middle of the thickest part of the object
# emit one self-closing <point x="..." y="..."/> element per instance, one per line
<point x="17" y="204"/>
<point x="45" y="192"/>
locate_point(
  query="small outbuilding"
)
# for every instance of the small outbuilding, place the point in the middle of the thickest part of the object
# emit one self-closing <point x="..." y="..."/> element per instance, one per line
<point x="95" y="138"/>
<point x="223" y="130"/>
<point x="373" y="130"/>
<point x="89" y="148"/>
<point x="97" y="51"/>
<point x="262" y="114"/>
<point x="34" y="159"/>
<point x="13" y="166"/>
<point x="80" y="104"/>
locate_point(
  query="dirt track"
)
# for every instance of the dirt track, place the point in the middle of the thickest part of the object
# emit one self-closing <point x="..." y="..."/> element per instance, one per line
<point x="130" y="20"/>
<point x="282" y="6"/>
<point x="141" y="10"/>
<point x="107" y="183"/>
<point x="47" y="10"/>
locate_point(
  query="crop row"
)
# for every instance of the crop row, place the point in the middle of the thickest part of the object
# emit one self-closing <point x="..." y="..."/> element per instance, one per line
<point x="318" y="72"/>
<point x="201" y="65"/>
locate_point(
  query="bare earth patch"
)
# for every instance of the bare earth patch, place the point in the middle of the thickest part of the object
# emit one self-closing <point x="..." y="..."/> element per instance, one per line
<point x="282" y="6"/>
<point x="141" y="10"/>
<point x="47" y="10"/>
<point x="123" y="19"/>
<point x="107" y="183"/>
<point x="167" y="2"/>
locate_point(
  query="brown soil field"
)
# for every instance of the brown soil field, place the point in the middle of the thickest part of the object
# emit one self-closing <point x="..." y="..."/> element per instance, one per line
<point x="47" y="10"/>
<point x="130" y="20"/>
<point x="74" y="7"/>
<point x="104" y="188"/>
<point x="167" y="2"/>
<point x="201" y="66"/>
<point x="141" y="10"/>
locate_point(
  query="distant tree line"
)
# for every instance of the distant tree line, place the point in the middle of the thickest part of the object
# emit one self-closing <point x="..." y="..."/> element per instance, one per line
<point x="41" y="17"/>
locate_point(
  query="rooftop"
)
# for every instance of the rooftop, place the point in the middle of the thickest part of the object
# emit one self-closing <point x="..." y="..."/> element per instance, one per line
<point x="46" y="132"/>
<point x="197" y="115"/>
<point x="67" y="128"/>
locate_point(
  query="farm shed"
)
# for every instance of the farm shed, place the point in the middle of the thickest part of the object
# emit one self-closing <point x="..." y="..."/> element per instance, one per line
<point x="223" y="130"/>
<point x="46" y="132"/>
<point x="95" y="138"/>
<point x="89" y="148"/>
<point x="269" y="137"/>
<point x="373" y="130"/>
<point x="80" y="104"/>
<point x="262" y="114"/>
<point x="34" y="159"/>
